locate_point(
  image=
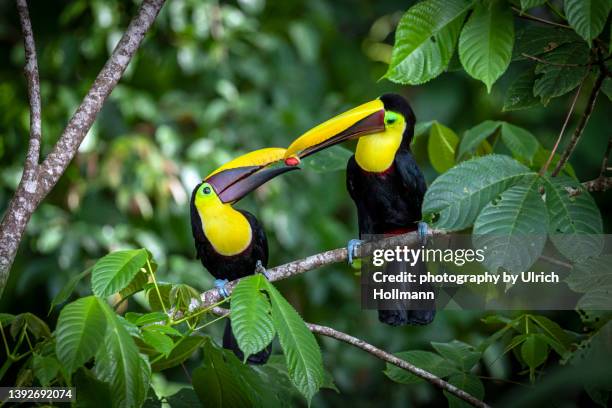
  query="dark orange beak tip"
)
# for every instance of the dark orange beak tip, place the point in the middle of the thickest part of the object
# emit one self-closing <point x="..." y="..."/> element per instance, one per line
<point x="292" y="161"/>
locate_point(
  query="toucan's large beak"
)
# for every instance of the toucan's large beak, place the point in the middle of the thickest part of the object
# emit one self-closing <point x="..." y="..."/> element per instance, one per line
<point x="360" y="121"/>
<point x="235" y="179"/>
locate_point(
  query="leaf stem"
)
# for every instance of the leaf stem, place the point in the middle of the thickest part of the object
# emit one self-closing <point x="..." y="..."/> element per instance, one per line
<point x="199" y="312"/>
<point x="538" y="19"/>
<point x="150" y="270"/>
<point x="6" y="346"/>
<point x="212" y="322"/>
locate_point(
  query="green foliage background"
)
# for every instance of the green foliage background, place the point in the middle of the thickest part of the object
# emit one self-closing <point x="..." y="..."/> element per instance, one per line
<point x="214" y="80"/>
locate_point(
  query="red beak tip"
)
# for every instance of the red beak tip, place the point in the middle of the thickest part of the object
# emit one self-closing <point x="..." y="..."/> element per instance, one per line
<point x="292" y="161"/>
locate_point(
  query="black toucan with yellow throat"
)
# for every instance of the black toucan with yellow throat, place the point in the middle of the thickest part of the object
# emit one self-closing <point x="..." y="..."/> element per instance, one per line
<point x="232" y="243"/>
<point x="382" y="177"/>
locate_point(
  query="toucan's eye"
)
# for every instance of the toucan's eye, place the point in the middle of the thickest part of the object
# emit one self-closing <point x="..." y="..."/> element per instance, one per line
<point x="390" y="118"/>
<point x="206" y="190"/>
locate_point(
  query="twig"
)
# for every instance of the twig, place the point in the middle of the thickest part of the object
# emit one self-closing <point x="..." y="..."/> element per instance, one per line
<point x="212" y="296"/>
<point x="388" y="357"/>
<point x="31" y="192"/>
<point x="581" y="125"/>
<point x="31" y="74"/>
<point x="556" y="64"/>
<point x="544" y="169"/>
<point x="599" y="184"/>
<point x="526" y="16"/>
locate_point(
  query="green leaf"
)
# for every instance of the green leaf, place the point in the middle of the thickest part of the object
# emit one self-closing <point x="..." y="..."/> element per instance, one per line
<point x="535" y="40"/>
<point x="558" y="76"/>
<point x="575" y="221"/>
<point x="6" y="319"/>
<point x="327" y="160"/>
<point x="425" y="360"/>
<point x="184" y="398"/>
<point x="458" y="352"/>
<point x="250" y="313"/>
<point x="534" y="352"/>
<point x="32" y="323"/>
<point x="182" y="296"/>
<point x="468" y="383"/>
<point x="120" y="364"/>
<point x="474" y="137"/>
<point x="424" y="40"/>
<point x="520" y="141"/>
<point x="527" y="4"/>
<point x="183" y="349"/>
<point x="562" y="341"/>
<point x="596" y="299"/>
<point x="136" y="285"/>
<point x="302" y="353"/>
<point x="215" y="383"/>
<point x="606" y="88"/>
<point x="80" y="332"/>
<point x="160" y="342"/>
<point x="485" y="44"/>
<point x="587" y="17"/>
<point x="91" y="391"/>
<point x="512" y="229"/>
<point x="45" y="368"/>
<point x="151" y="318"/>
<point x="520" y="94"/>
<point x="457" y="196"/>
<point x="116" y="270"/>
<point x="153" y="297"/>
<point x="431" y="58"/>
<point x="590" y="274"/>
<point x="68" y="288"/>
<point x="441" y="147"/>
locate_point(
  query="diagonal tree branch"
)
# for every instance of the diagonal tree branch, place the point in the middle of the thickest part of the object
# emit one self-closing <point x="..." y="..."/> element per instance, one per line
<point x="31" y="191"/>
<point x="31" y="74"/>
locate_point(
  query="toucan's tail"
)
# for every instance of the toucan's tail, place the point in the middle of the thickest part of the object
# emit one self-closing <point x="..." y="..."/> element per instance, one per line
<point x="230" y="343"/>
<point x="401" y="312"/>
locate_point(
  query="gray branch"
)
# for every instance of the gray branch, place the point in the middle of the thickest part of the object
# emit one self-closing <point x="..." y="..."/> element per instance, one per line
<point x="32" y="190"/>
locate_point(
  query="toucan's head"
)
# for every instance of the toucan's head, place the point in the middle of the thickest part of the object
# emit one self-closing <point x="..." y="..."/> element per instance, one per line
<point x="388" y="113"/>
<point x="235" y="179"/>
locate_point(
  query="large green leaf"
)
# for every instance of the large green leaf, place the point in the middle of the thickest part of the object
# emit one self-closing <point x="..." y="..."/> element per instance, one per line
<point x="424" y="40"/>
<point x="116" y="270"/>
<point x="468" y="383"/>
<point x="45" y="368"/>
<point x="457" y="196"/>
<point x="162" y="343"/>
<point x="520" y="141"/>
<point x="250" y="313"/>
<point x="590" y="273"/>
<point x="587" y="17"/>
<point x="302" y="353"/>
<point x="458" y="352"/>
<point x="575" y="221"/>
<point x="558" y="75"/>
<point x="534" y="351"/>
<point x="562" y="341"/>
<point x="512" y="229"/>
<point x="79" y="334"/>
<point x="441" y="147"/>
<point x="535" y="40"/>
<point x="431" y="58"/>
<point x="520" y="94"/>
<point x="215" y="383"/>
<point x="472" y="138"/>
<point x="485" y="44"/>
<point x="120" y="364"/>
<point x="425" y="360"/>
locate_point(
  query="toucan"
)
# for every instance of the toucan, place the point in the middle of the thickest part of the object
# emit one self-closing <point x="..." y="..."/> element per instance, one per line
<point x="382" y="177"/>
<point x="232" y="243"/>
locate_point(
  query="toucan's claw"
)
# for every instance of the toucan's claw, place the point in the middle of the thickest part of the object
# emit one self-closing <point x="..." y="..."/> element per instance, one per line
<point x="259" y="268"/>
<point x="423" y="229"/>
<point x="351" y="246"/>
<point x="221" y="285"/>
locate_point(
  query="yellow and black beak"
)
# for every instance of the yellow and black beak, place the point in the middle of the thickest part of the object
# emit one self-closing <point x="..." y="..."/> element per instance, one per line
<point x="360" y="121"/>
<point x="237" y="178"/>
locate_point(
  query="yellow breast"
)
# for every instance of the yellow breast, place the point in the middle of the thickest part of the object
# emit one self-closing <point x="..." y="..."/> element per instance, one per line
<point x="228" y="230"/>
<point x="375" y="153"/>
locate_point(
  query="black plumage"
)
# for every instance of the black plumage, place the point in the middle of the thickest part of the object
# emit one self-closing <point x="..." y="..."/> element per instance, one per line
<point x="232" y="267"/>
<point x="390" y="201"/>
